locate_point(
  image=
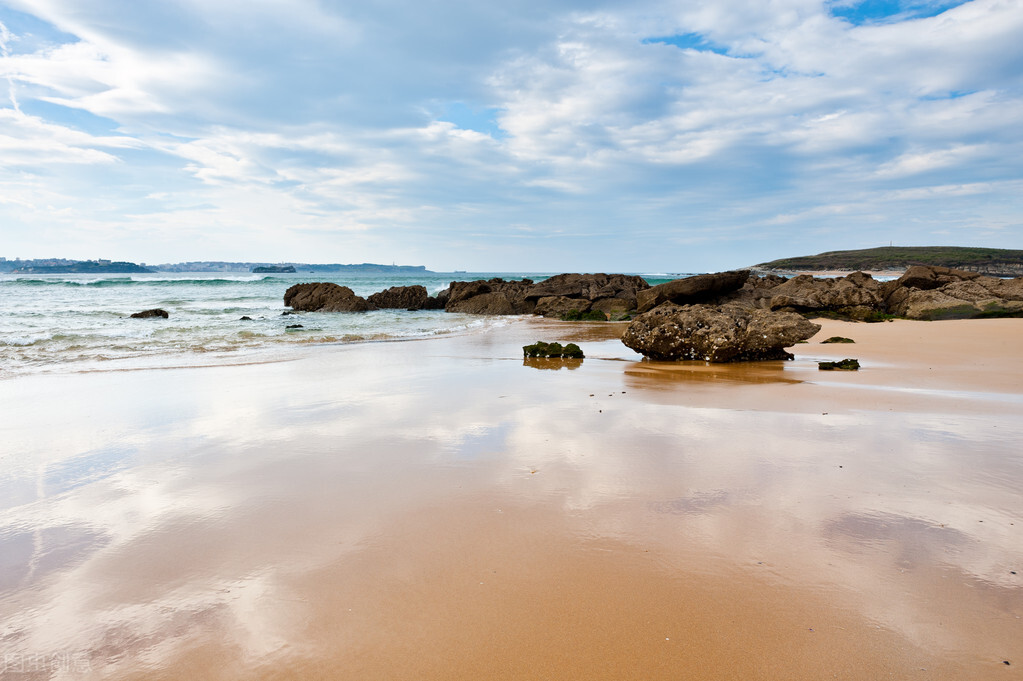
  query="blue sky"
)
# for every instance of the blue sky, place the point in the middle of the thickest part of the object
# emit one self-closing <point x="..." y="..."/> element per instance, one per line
<point x="650" y="136"/>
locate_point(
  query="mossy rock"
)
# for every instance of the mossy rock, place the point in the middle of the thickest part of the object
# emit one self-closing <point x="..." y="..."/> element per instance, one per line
<point x="838" y="339"/>
<point x="554" y="350"/>
<point x="844" y="365"/>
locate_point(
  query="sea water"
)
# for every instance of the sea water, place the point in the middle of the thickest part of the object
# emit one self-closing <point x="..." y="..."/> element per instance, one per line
<point x="81" y="322"/>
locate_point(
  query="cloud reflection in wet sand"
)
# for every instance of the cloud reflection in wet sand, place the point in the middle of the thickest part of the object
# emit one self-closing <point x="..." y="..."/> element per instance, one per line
<point x="193" y="515"/>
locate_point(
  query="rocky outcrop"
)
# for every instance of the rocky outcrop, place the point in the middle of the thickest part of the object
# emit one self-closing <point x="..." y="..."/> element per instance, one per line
<point x="697" y="289"/>
<point x="932" y="293"/>
<point x="491" y="297"/>
<point x="606" y="292"/>
<point x="716" y="333"/>
<point x="856" y="296"/>
<point x="620" y="290"/>
<point x="405" y="298"/>
<point x="559" y="306"/>
<point x="325" y="297"/>
<point x="147" y="314"/>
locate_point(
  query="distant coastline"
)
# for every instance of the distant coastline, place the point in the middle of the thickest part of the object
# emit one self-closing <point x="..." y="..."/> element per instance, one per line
<point x="67" y="266"/>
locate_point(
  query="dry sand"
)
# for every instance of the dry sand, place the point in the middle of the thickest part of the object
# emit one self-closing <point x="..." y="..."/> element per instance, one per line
<point x="444" y="510"/>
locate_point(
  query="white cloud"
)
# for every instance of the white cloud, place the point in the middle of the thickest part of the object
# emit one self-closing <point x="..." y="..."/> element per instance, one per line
<point x="330" y="114"/>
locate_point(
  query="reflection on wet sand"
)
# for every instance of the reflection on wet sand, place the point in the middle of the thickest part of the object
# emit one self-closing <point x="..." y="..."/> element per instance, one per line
<point x="652" y="375"/>
<point x="434" y="510"/>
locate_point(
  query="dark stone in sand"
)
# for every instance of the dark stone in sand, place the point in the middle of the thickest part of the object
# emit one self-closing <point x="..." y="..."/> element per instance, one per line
<point x="843" y="365"/>
<point x="146" y="314"/>
<point x="838" y="339"/>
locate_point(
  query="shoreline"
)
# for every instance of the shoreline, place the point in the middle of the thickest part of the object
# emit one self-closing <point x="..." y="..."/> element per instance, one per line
<point x="444" y="509"/>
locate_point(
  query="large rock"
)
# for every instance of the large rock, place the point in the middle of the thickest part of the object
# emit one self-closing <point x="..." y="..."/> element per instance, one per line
<point x="927" y="277"/>
<point x="401" y="298"/>
<point x="589" y="286"/>
<point x="697" y="289"/>
<point x="932" y="293"/>
<point x="716" y="333"/>
<point x="521" y="297"/>
<point x="491" y="303"/>
<point x="497" y="297"/>
<point x="325" y="297"/>
<point x="856" y="295"/>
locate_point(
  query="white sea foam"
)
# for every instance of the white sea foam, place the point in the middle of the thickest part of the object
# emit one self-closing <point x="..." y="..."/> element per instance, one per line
<point x="60" y="323"/>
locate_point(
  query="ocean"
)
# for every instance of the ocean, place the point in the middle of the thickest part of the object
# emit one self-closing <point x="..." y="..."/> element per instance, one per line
<point x="80" y="322"/>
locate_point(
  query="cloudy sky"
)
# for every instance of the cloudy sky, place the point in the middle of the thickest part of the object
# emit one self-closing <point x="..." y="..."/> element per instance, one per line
<point x="581" y="135"/>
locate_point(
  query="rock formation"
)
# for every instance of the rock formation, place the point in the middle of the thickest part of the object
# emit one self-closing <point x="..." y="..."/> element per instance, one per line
<point x="325" y="297"/>
<point x="855" y="296"/>
<point x="716" y="333"/>
<point x="697" y="289"/>
<point x="405" y="298"/>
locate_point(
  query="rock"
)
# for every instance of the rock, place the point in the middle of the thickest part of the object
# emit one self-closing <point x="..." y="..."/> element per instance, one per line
<point x="401" y="298"/>
<point x="589" y="286"/>
<point x="591" y="316"/>
<point x="155" y="312"/>
<point x="931" y="293"/>
<point x="493" y="303"/>
<point x="492" y="297"/>
<point x="246" y="318"/>
<point x="542" y="349"/>
<point x="951" y="302"/>
<point x="926" y="277"/>
<point x="559" y="306"/>
<point x="856" y="295"/>
<point x="697" y="289"/>
<point x="325" y="297"/>
<point x="716" y="333"/>
<point x="294" y="326"/>
<point x="614" y="307"/>
<point x="842" y="365"/>
<point x="837" y="339"/>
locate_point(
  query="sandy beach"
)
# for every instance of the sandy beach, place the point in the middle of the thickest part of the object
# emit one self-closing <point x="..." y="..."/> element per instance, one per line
<point x="444" y="509"/>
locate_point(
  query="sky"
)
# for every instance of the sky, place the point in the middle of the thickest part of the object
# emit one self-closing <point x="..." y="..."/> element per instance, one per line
<point x="529" y="135"/>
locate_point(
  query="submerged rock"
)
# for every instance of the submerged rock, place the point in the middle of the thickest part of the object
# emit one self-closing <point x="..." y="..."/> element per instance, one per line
<point x="716" y="333"/>
<point x="155" y="312"/>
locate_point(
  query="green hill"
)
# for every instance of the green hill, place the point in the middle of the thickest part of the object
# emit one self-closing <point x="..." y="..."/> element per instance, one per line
<point x="992" y="261"/>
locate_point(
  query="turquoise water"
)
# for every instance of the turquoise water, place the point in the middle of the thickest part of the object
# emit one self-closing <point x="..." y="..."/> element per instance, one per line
<point x="79" y="322"/>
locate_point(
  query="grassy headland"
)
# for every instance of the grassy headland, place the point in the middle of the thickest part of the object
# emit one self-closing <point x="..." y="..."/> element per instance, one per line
<point x="992" y="261"/>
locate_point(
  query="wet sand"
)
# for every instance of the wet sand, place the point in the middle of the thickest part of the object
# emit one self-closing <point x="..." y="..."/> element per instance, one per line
<point x="445" y="510"/>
